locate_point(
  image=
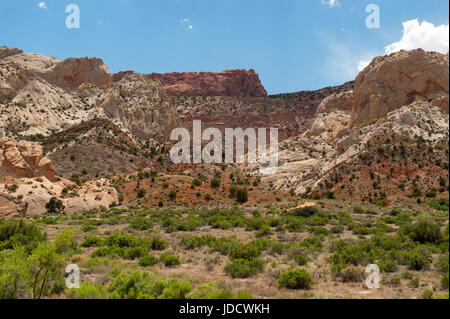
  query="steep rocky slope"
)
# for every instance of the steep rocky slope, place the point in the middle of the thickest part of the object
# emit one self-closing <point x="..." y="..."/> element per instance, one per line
<point x="375" y="142"/>
<point x="94" y="148"/>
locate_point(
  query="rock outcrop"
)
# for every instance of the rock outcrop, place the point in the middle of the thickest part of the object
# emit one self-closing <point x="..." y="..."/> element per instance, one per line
<point x="6" y="52"/>
<point x="227" y="83"/>
<point x="71" y="73"/>
<point x="11" y="207"/>
<point x="399" y="79"/>
<point x="139" y="105"/>
<point x="339" y="101"/>
<point x="25" y="160"/>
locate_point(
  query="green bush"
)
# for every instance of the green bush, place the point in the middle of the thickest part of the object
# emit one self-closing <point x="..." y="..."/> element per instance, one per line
<point x="305" y="211"/>
<point x="423" y="231"/>
<point x="358" y="210"/>
<point x="87" y="291"/>
<point x="158" y="244"/>
<point x="148" y="261"/>
<point x="301" y="259"/>
<point x="131" y="285"/>
<point x="172" y="195"/>
<point x="244" y="268"/>
<point x="295" y="279"/>
<point x="242" y="195"/>
<point x="170" y="260"/>
<point x="193" y="242"/>
<point x="141" y="223"/>
<point x="92" y="241"/>
<point x="444" y="281"/>
<point x="215" y="183"/>
<point x="176" y="289"/>
<point x="427" y="294"/>
<point x="417" y="261"/>
<point x="17" y="232"/>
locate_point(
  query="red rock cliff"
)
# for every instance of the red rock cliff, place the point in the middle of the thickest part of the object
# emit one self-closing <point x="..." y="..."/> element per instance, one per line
<point x="227" y="83"/>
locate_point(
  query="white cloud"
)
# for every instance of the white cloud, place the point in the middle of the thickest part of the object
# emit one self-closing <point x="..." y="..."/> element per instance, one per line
<point x="331" y="3"/>
<point x="42" y="5"/>
<point x="188" y="22"/>
<point x="344" y="61"/>
<point x="421" y="35"/>
<point x="363" y="64"/>
<point x="417" y="35"/>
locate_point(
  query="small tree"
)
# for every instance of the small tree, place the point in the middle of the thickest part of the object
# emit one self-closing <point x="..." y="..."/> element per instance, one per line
<point x="54" y="206"/>
<point x="215" y="183"/>
<point x="242" y="195"/>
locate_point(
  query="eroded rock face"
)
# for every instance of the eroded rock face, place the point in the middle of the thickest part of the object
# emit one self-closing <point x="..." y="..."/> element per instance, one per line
<point x="399" y="79"/>
<point x="71" y="73"/>
<point x="140" y="106"/>
<point x="227" y="83"/>
<point x="338" y="101"/>
<point x="25" y="160"/>
<point x="11" y="207"/>
<point x="5" y="52"/>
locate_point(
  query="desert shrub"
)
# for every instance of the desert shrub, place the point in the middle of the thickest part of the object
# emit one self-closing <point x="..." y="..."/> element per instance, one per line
<point x="148" y="261"/>
<point x="170" y="260"/>
<point x="215" y="183"/>
<point x="388" y="265"/>
<point x="131" y="285"/>
<point x="417" y="261"/>
<point x="427" y="294"/>
<point x="444" y="281"/>
<point x="141" y="193"/>
<point x="88" y="228"/>
<point x="92" y="241"/>
<point x="192" y="242"/>
<point x="242" y="195"/>
<point x="172" y="195"/>
<point x="141" y="223"/>
<point x="305" y="211"/>
<point x="358" y="210"/>
<point x="301" y="259"/>
<point x="65" y="244"/>
<point x="17" y="232"/>
<point x="244" y="268"/>
<point x="439" y="204"/>
<point x="264" y="231"/>
<point x="352" y="274"/>
<point x="87" y="291"/>
<point x="295" y="279"/>
<point x="196" y="182"/>
<point x="337" y="229"/>
<point x="121" y="240"/>
<point x="414" y="282"/>
<point x="157" y="243"/>
<point x="133" y="253"/>
<point x="442" y="263"/>
<point x="423" y="231"/>
<point x="176" y="289"/>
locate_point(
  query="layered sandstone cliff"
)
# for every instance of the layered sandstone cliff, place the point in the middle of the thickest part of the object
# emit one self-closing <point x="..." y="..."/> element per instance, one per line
<point x="25" y="160"/>
<point x="227" y="83"/>
<point x="399" y="79"/>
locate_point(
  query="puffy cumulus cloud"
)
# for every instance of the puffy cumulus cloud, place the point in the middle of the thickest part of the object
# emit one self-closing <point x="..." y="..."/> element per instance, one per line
<point x="423" y="35"/>
<point x="417" y="35"/>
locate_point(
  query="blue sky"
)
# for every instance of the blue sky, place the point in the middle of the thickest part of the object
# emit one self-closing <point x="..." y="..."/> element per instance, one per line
<point x="293" y="44"/>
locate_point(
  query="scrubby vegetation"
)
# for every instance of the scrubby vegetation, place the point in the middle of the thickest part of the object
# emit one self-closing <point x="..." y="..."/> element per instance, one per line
<point x="278" y="251"/>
